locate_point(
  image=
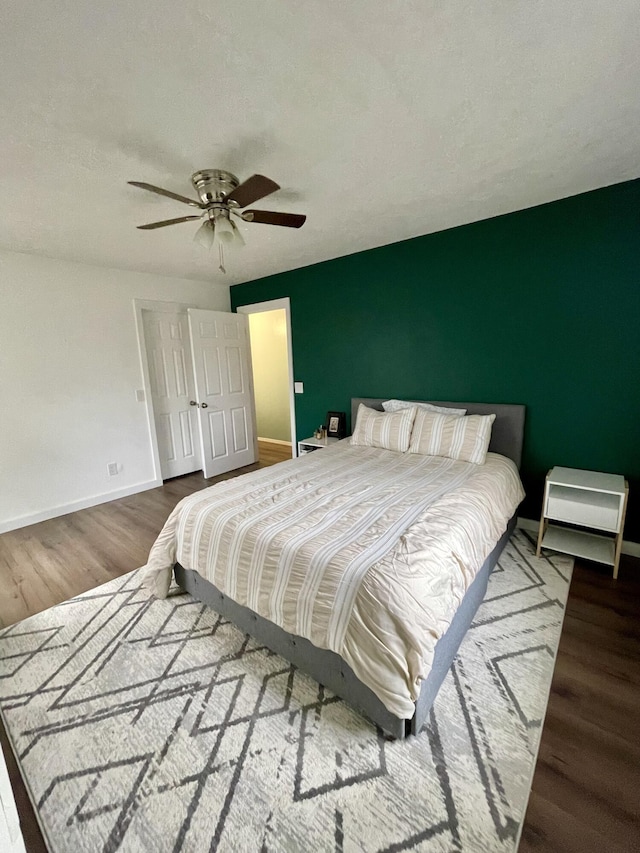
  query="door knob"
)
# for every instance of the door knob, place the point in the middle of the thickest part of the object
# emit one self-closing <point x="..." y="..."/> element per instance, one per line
<point x="204" y="406"/>
<point x="192" y="403"/>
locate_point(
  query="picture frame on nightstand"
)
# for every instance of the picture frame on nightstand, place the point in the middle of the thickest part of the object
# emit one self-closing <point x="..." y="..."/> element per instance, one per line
<point x="336" y="424"/>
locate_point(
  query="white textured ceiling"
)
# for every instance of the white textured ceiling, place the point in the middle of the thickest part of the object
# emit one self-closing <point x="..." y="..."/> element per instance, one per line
<point x="381" y="120"/>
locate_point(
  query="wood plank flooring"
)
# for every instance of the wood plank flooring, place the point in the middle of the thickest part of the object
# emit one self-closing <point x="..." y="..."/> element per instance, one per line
<point x="586" y="789"/>
<point x="585" y="794"/>
<point x="271" y="452"/>
<point x="44" y="564"/>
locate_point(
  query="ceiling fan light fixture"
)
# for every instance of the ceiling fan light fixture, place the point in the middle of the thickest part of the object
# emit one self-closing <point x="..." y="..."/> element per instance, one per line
<point x="205" y="235"/>
<point x="227" y="232"/>
<point x="224" y="228"/>
<point x="239" y="239"/>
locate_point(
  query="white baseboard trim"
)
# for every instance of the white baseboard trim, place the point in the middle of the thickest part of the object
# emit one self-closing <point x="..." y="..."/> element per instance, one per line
<point x="274" y="441"/>
<point x="74" y="506"/>
<point x="530" y="524"/>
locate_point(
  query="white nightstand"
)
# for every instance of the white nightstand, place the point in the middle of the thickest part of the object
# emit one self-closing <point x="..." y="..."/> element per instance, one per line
<point x="584" y="499"/>
<point x="308" y="445"/>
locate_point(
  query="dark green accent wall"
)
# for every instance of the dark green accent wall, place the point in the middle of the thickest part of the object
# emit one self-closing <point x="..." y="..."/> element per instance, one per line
<point x="540" y="307"/>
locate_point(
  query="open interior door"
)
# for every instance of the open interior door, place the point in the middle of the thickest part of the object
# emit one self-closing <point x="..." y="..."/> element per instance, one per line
<point x="168" y="351"/>
<point x="224" y="390"/>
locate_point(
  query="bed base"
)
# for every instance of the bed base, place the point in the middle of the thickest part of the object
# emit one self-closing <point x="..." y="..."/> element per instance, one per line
<point x="330" y="669"/>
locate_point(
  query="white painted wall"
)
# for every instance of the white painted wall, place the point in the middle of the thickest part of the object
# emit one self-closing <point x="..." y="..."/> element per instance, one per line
<point x="69" y="370"/>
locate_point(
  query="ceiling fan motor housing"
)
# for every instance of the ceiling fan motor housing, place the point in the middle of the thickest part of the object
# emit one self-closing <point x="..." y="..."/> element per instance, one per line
<point x="214" y="185"/>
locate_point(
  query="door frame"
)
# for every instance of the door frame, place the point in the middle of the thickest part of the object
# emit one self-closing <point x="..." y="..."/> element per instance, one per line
<point x="274" y="305"/>
<point x="140" y="305"/>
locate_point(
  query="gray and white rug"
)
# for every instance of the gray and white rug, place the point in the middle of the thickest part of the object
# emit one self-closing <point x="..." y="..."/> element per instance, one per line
<point x="158" y="726"/>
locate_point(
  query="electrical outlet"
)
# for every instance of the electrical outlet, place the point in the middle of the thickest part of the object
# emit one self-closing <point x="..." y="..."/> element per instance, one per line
<point x="112" y="468"/>
<point x="140" y="395"/>
<point x="298" y="387"/>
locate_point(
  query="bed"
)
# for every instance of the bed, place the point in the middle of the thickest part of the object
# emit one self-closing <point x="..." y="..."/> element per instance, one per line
<point x="222" y="546"/>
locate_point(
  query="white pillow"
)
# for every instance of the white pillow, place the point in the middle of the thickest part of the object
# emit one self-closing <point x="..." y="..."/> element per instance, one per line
<point x="465" y="438"/>
<point x="398" y="405"/>
<point x="391" y="431"/>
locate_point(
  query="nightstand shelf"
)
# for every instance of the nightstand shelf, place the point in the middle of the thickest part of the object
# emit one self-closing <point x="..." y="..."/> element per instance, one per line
<point x="584" y="499"/>
<point x="308" y="445"/>
<point x="589" y="546"/>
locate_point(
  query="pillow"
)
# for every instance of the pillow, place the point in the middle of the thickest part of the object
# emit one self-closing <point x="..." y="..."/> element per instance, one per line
<point x="380" y="429"/>
<point x="398" y="405"/>
<point x="464" y="438"/>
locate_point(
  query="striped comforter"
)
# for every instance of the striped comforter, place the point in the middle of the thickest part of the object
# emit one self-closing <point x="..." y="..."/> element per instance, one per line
<point x="364" y="551"/>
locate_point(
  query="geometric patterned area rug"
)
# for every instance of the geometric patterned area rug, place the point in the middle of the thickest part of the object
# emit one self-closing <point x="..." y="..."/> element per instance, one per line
<point x="158" y="726"/>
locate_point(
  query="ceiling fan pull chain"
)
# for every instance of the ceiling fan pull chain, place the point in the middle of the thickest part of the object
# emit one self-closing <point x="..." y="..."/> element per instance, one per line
<point x="221" y="250"/>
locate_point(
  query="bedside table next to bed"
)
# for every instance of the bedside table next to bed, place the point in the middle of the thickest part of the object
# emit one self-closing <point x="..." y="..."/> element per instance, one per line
<point x="584" y="499"/>
<point x="308" y="445"/>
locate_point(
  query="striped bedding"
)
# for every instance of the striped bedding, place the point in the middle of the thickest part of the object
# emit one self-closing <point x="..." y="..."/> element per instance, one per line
<point x="364" y="551"/>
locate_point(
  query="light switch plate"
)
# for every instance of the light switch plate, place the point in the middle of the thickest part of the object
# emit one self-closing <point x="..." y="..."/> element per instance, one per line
<point x="298" y="387"/>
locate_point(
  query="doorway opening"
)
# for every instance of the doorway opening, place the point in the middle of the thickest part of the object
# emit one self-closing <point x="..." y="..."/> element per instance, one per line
<point x="272" y="360"/>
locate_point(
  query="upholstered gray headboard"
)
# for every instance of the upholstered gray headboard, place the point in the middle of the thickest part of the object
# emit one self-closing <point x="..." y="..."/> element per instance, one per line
<point x="507" y="433"/>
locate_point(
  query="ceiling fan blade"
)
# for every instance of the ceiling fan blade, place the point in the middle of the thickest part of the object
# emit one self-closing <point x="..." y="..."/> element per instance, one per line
<point x="168" y="193"/>
<point x="164" y="222"/>
<point x="254" y="188"/>
<point x="270" y="217"/>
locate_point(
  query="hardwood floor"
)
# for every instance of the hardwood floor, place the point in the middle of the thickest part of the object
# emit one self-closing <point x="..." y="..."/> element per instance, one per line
<point x="586" y="789"/>
<point x="270" y="452"/>
<point x="44" y="564"/>
<point x="585" y="794"/>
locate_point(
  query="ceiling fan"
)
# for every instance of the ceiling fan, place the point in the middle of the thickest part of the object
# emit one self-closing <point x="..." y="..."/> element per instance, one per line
<point x="220" y="195"/>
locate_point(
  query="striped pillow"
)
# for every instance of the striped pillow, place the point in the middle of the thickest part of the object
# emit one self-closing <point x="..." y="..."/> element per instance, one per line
<point x="464" y="438"/>
<point x="380" y="429"/>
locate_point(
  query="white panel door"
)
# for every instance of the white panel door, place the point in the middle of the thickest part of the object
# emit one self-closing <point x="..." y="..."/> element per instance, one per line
<point x="172" y="390"/>
<point x="224" y="390"/>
